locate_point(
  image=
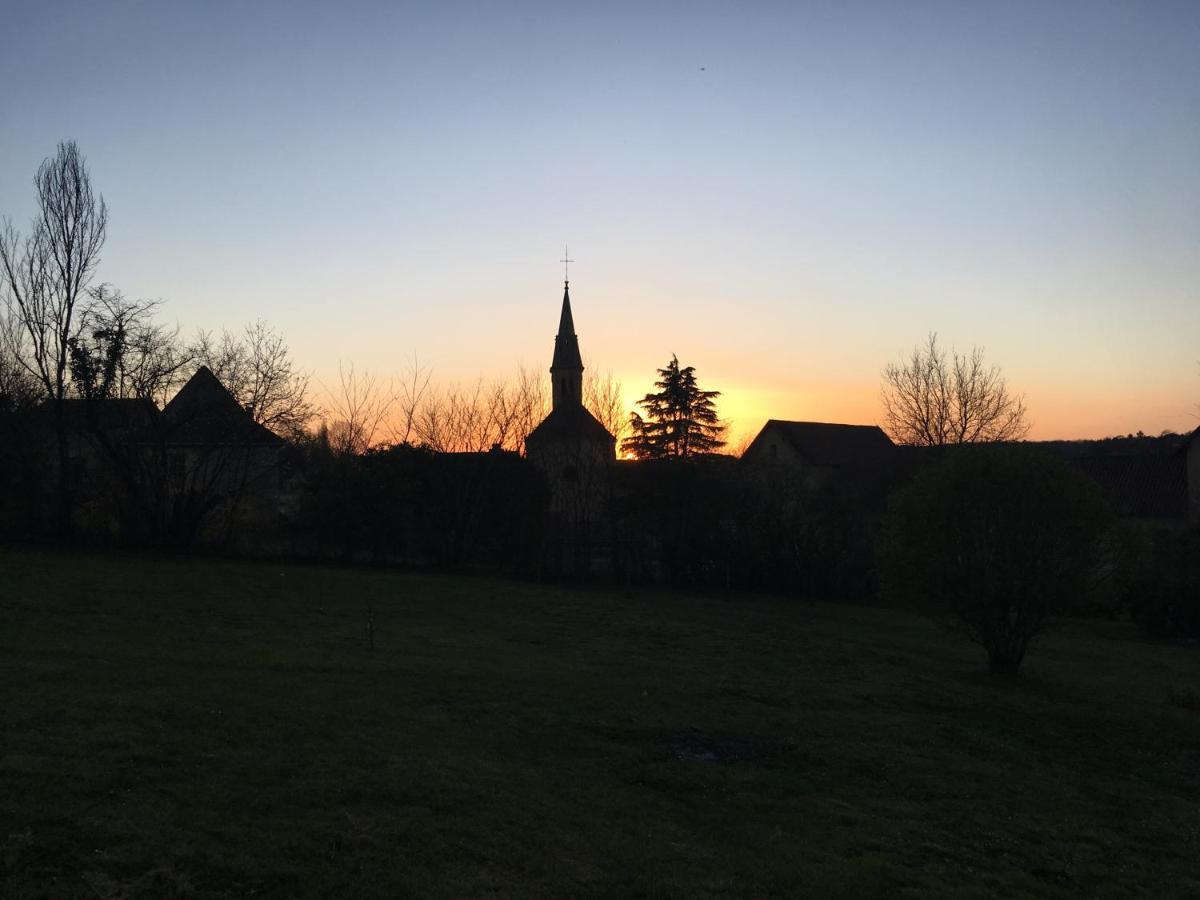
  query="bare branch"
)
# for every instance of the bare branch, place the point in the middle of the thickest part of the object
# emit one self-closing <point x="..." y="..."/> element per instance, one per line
<point x="45" y="275"/>
<point x="931" y="399"/>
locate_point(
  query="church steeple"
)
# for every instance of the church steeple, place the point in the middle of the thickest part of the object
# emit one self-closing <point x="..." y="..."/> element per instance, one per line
<point x="566" y="370"/>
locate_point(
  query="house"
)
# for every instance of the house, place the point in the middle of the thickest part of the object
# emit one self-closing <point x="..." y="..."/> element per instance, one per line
<point x="223" y="472"/>
<point x="202" y="468"/>
<point x="821" y="455"/>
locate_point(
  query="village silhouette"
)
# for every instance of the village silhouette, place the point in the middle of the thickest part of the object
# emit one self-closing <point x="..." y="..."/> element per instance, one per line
<point x="525" y="600"/>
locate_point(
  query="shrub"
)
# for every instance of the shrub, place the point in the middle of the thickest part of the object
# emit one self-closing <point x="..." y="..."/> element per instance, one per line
<point x="1001" y="536"/>
<point x="1159" y="582"/>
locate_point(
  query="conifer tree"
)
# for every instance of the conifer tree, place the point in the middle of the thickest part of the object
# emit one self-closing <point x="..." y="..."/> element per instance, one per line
<point x="680" y="419"/>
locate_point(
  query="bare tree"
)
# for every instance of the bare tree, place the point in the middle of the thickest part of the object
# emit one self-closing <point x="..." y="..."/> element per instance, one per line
<point x="524" y="405"/>
<point x="742" y="444"/>
<point x="45" y="274"/>
<point x="603" y="399"/>
<point x="412" y="387"/>
<point x="474" y="418"/>
<point x="18" y="388"/>
<point x="358" y="408"/>
<point x="934" y="398"/>
<point x="258" y="370"/>
<point x="119" y="350"/>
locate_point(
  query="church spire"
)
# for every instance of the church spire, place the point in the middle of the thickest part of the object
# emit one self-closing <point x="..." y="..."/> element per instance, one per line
<point x="566" y="369"/>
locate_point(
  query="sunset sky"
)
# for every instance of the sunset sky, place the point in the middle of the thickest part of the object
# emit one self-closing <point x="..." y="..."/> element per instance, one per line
<point x="786" y="195"/>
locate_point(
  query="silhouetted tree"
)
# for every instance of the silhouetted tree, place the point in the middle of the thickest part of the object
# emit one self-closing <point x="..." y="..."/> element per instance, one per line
<point x="18" y="388"/>
<point x="259" y="371"/>
<point x="1159" y="581"/>
<point x="357" y="409"/>
<point x="148" y="359"/>
<point x="681" y="419"/>
<point x="1001" y="536"/>
<point x="473" y="418"/>
<point x="602" y="397"/>
<point x="44" y="275"/>
<point x="119" y="350"/>
<point x="411" y="390"/>
<point x="931" y="399"/>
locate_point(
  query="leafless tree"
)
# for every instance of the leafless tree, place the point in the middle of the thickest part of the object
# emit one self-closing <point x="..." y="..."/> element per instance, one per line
<point x="455" y="420"/>
<point x="259" y="371"/>
<point x="524" y="405"/>
<point x="603" y="399"/>
<point x="120" y="340"/>
<point x="43" y="276"/>
<point x="358" y="408"/>
<point x="481" y="415"/>
<point x="934" y="398"/>
<point x="741" y="445"/>
<point x="46" y="273"/>
<point x="18" y="388"/>
<point x="411" y="389"/>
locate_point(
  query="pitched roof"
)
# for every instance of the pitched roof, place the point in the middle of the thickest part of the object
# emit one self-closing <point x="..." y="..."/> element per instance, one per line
<point x="204" y="412"/>
<point x="569" y="423"/>
<point x="566" y="343"/>
<point x="830" y="444"/>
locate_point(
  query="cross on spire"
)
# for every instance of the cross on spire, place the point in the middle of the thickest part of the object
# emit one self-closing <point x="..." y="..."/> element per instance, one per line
<point x="566" y="261"/>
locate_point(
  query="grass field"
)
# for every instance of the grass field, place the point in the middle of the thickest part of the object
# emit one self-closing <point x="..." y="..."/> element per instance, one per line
<point x="192" y="728"/>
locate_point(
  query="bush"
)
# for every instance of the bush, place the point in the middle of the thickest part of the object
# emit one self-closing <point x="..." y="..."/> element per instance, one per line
<point x="1001" y="536"/>
<point x="1160" y="582"/>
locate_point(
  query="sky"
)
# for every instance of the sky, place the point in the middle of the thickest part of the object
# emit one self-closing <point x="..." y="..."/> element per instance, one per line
<point x="788" y="196"/>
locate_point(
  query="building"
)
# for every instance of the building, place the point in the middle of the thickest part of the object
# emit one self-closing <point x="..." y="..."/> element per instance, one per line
<point x="825" y="456"/>
<point x="224" y="477"/>
<point x="200" y="470"/>
<point x="572" y="450"/>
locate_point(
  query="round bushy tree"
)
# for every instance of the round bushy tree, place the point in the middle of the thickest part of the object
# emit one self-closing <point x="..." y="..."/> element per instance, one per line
<point x="1000" y="536"/>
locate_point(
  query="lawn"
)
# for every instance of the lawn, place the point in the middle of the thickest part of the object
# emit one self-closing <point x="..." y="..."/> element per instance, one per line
<point x="201" y="728"/>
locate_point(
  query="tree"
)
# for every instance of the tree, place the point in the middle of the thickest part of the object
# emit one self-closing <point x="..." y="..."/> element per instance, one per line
<point x="357" y="410"/>
<point x="931" y="399"/>
<point x="46" y="273"/>
<point x="412" y="387"/>
<point x="1002" y="537"/>
<point x="18" y="388"/>
<point x="257" y="368"/>
<point x="681" y="419"/>
<point x="474" y="418"/>
<point x="119" y="351"/>
<point x="43" y="276"/>
<point x="602" y="397"/>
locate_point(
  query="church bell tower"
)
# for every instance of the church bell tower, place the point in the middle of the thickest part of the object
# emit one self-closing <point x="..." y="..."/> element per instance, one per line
<point x="566" y="371"/>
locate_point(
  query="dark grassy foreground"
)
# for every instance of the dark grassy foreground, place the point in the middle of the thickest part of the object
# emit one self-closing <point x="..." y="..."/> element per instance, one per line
<point x="201" y="728"/>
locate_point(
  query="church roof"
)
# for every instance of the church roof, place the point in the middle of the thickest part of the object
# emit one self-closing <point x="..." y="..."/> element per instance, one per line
<point x="832" y="444"/>
<point x="570" y="423"/>
<point x="204" y="412"/>
<point x="566" y="343"/>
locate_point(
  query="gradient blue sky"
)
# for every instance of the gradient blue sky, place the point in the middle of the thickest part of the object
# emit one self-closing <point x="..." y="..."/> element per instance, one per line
<point x="787" y="196"/>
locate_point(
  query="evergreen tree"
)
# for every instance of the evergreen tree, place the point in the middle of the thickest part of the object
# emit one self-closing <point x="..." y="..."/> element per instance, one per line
<point x="680" y="419"/>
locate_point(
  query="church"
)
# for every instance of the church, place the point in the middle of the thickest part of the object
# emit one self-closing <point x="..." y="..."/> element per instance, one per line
<point x="570" y="447"/>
